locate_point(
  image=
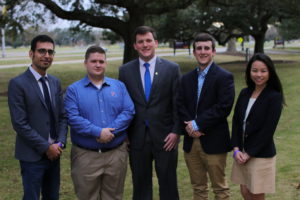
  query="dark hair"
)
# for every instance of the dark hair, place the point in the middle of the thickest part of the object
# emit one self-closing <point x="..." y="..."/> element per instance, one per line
<point x="142" y="30"/>
<point x="204" y="37"/>
<point x="94" y="49"/>
<point x="40" y="38"/>
<point x="273" y="82"/>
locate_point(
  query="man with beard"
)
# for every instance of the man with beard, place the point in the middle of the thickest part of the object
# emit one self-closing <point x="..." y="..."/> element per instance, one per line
<point x="37" y="113"/>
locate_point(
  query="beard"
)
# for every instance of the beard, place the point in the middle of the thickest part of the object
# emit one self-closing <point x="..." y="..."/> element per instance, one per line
<point x="41" y="65"/>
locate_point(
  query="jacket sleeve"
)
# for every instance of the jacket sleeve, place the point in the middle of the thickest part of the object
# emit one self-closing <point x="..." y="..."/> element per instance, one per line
<point x="236" y="134"/>
<point x="62" y="117"/>
<point x="183" y="113"/>
<point x="176" y="128"/>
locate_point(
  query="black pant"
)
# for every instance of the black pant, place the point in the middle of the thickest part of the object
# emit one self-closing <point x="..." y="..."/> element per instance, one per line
<point x="165" y="167"/>
<point x="41" y="177"/>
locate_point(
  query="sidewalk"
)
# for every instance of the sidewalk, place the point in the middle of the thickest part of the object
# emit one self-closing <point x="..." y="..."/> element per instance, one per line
<point x="81" y="60"/>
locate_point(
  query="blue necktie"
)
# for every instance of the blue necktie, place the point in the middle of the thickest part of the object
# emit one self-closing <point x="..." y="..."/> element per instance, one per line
<point x="147" y="81"/>
<point x="48" y="103"/>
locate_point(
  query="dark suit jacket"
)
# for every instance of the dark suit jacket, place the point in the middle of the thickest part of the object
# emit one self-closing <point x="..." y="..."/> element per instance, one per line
<point x="160" y="111"/>
<point x="216" y="100"/>
<point x="30" y="118"/>
<point x="260" y="123"/>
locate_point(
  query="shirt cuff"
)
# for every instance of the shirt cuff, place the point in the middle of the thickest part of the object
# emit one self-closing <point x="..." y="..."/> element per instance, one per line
<point x="195" y="126"/>
<point x="96" y="132"/>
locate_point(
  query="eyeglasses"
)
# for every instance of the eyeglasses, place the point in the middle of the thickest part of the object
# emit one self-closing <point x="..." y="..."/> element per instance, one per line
<point x="43" y="52"/>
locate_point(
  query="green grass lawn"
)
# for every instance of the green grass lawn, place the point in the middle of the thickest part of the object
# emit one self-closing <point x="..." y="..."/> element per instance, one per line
<point x="287" y="136"/>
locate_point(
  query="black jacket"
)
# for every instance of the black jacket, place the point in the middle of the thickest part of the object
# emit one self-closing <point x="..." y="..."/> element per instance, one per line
<point x="216" y="100"/>
<point x="260" y="123"/>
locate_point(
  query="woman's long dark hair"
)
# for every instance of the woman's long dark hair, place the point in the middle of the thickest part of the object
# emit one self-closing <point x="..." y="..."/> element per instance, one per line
<point x="273" y="82"/>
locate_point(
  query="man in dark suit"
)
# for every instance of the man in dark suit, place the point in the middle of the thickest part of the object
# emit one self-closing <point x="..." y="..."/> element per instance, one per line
<point x="152" y="83"/>
<point x="36" y="108"/>
<point x="205" y="99"/>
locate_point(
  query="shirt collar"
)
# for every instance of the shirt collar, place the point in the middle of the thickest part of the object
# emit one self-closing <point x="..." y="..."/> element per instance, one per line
<point x="205" y="71"/>
<point x="151" y="62"/>
<point x="36" y="75"/>
<point x="87" y="81"/>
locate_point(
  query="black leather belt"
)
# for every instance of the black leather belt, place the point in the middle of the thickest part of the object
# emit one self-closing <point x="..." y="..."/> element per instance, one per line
<point x="101" y="150"/>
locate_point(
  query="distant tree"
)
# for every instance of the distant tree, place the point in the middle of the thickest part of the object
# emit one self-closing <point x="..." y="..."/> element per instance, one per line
<point x="111" y="36"/>
<point x="179" y="24"/>
<point x="253" y="17"/>
<point x="231" y="45"/>
<point x="12" y="26"/>
<point x="290" y="29"/>
<point x="226" y="19"/>
<point x="183" y="25"/>
<point x="271" y="33"/>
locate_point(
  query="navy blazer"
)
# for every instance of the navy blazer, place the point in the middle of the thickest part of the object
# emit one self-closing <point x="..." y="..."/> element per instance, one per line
<point x="160" y="112"/>
<point x="260" y="124"/>
<point x="30" y="118"/>
<point x="216" y="100"/>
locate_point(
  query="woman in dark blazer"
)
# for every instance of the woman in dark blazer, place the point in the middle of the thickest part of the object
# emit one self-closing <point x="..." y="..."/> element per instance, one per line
<point x="256" y="116"/>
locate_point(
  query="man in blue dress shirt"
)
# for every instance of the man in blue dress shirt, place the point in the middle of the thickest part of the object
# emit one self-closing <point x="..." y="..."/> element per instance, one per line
<point x="99" y="111"/>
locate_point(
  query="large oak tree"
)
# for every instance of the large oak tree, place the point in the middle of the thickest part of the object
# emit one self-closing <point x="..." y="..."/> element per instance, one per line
<point x="120" y="16"/>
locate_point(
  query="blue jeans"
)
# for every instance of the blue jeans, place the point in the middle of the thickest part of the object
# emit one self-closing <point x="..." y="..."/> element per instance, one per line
<point x="43" y="177"/>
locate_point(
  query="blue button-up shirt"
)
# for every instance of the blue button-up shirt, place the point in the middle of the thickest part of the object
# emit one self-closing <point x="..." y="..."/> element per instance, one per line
<point x="201" y="79"/>
<point x="90" y="109"/>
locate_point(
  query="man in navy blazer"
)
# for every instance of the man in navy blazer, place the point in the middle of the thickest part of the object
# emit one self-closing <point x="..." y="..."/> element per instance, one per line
<point x="205" y="99"/>
<point x="154" y="131"/>
<point x="37" y="114"/>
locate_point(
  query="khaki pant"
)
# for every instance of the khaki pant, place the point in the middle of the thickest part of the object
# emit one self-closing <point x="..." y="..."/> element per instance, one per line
<point x="99" y="176"/>
<point x="200" y="165"/>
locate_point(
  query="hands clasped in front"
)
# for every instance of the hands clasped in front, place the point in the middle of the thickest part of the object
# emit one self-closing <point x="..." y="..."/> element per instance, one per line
<point x="54" y="151"/>
<point x="106" y="135"/>
<point x="192" y="133"/>
<point x="241" y="157"/>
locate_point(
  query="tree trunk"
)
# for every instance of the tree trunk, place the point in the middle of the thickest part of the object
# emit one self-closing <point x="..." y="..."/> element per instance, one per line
<point x="136" y="19"/>
<point x="231" y="47"/>
<point x="259" y="43"/>
<point x="129" y="52"/>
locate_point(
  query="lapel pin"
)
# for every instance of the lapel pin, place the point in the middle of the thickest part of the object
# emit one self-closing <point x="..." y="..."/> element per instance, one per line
<point x="156" y="73"/>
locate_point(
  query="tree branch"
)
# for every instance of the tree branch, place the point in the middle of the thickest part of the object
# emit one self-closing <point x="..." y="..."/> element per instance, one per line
<point x="166" y="6"/>
<point x="120" y="3"/>
<point x="112" y="23"/>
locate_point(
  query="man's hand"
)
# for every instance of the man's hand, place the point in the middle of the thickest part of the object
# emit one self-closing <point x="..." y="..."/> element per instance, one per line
<point x="171" y="141"/>
<point x="196" y="134"/>
<point x="53" y="152"/>
<point x="106" y="135"/>
<point x="190" y="130"/>
<point x="189" y="127"/>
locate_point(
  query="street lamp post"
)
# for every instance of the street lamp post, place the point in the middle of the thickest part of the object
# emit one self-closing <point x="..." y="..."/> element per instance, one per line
<point x="3" y="42"/>
<point x="3" y="13"/>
